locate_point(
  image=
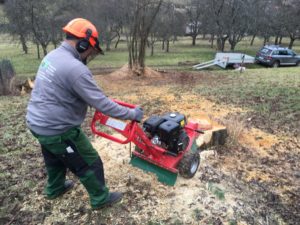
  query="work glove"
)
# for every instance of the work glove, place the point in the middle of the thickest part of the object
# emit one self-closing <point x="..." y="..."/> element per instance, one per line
<point x="139" y="113"/>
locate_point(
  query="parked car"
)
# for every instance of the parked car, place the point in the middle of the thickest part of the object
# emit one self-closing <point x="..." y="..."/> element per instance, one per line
<point x="275" y="56"/>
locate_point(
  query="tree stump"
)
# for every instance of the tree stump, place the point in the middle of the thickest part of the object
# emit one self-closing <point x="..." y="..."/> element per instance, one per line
<point x="7" y="78"/>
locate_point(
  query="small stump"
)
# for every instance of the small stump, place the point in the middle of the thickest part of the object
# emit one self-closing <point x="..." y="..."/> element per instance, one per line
<point x="7" y="78"/>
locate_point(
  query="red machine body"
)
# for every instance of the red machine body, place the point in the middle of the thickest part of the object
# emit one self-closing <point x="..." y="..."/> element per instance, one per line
<point x="133" y="132"/>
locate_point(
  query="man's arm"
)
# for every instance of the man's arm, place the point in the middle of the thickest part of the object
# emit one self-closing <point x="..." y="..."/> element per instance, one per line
<point x="86" y="87"/>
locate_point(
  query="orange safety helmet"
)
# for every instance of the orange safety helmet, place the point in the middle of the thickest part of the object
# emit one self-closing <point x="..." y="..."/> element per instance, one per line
<point x="82" y="28"/>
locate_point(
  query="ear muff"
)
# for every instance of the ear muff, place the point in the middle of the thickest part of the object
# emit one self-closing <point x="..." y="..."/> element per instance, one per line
<point x="83" y="44"/>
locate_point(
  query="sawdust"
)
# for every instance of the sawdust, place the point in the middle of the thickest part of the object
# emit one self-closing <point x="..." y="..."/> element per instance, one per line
<point x="254" y="175"/>
<point x="184" y="198"/>
<point x="195" y="107"/>
<point x="258" y="140"/>
<point x="124" y="72"/>
<point x="159" y="99"/>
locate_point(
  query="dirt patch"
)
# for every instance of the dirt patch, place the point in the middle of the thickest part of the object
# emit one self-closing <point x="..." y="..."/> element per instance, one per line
<point x="125" y="72"/>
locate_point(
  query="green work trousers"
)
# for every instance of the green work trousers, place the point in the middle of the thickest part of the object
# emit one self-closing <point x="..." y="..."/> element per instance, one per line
<point x="72" y="150"/>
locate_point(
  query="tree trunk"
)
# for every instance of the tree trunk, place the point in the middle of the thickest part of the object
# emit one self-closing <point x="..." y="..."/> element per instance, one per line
<point x="130" y="58"/>
<point x="152" y="48"/>
<point x="44" y="49"/>
<point x="252" y="39"/>
<point x="54" y="44"/>
<point x="291" y="42"/>
<point x="24" y="45"/>
<point x="265" y="40"/>
<point x="108" y="45"/>
<point x="212" y="41"/>
<point x="168" y="46"/>
<point x="129" y="43"/>
<point x="276" y="40"/>
<point x="232" y="45"/>
<point x="194" y="39"/>
<point x="163" y="45"/>
<point x="116" y="45"/>
<point x="142" y="54"/>
<point x="221" y="44"/>
<point x="38" y="50"/>
<point x="280" y="40"/>
<point x="175" y="39"/>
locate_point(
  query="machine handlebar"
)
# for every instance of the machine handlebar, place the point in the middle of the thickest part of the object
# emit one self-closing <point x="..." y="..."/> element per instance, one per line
<point x="126" y="129"/>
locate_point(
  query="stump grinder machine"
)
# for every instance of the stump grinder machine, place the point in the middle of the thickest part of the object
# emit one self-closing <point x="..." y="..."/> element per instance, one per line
<point x="164" y="145"/>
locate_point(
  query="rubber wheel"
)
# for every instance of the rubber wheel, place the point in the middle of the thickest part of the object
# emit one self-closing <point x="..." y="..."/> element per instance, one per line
<point x="189" y="164"/>
<point x="275" y="64"/>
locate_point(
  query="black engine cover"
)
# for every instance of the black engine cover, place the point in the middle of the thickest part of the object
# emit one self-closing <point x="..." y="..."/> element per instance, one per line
<point x="176" y="117"/>
<point x="169" y="129"/>
<point x="152" y="123"/>
<point x="174" y="136"/>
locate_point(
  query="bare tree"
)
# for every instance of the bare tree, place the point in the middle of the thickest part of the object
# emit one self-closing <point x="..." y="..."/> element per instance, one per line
<point x="19" y="24"/>
<point x="219" y="13"/>
<point x="229" y="20"/>
<point x="3" y="19"/>
<point x="139" y="16"/>
<point x="47" y="20"/>
<point x="195" y="21"/>
<point x="169" y="24"/>
<point x="107" y="17"/>
<point x="40" y="21"/>
<point x="256" y="9"/>
<point x="290" y="17"/>
<point x="238" y="22"/>
<point x="154" y="36"/>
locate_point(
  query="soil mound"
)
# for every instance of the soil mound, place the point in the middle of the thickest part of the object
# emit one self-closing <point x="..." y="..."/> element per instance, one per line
<point x="126" y="72"/>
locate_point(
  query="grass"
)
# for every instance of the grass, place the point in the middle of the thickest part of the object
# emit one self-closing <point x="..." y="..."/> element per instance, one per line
<point x="14" y="136"/>
<point x="197" y="214"/>
<point x="180" y="51"/>
<point x="215" y="190"/>
<point x="273" y="94"/>
<point x="27" y="64"/>
<point x="24" y="64"/>
<point x="235" y="129"/>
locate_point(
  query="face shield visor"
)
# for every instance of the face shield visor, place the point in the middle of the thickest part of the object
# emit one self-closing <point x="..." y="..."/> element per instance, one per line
<point x="94" y="53"/>
<point x="96" y="50"/>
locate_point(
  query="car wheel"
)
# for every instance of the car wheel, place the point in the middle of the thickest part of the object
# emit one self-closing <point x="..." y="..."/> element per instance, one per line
<point x="276" y="64"/>
<point x="298" y="63"/>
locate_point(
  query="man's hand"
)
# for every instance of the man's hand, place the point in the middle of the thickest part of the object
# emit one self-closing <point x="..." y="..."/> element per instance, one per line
<point x="139" y="113"/>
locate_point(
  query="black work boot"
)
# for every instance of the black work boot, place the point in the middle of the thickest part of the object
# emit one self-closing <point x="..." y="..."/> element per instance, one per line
<point x="68" y="185"/>
<point x="114" y="197"/>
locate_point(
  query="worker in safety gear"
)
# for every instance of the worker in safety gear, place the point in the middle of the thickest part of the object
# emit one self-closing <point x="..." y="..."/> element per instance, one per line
<point x="64" y="88"/>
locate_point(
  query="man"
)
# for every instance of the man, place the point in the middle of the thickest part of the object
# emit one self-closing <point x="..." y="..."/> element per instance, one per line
<point x="64" y="88"/>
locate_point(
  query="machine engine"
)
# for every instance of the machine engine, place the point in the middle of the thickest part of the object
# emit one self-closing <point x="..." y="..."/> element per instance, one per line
<point x="167" y="132"/>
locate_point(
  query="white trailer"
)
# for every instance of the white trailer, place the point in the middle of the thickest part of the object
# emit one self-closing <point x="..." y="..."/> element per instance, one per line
<point x="224" y="59"/>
